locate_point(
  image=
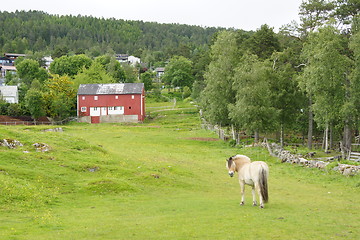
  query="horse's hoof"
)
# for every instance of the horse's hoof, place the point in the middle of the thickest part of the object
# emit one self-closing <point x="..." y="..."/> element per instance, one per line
<point x="242" y="204"/>
<point x="254" y="204"/>
<point x="261" y="206"/>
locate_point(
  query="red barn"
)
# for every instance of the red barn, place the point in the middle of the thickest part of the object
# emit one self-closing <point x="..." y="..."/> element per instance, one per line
<point x="113" y="102"/>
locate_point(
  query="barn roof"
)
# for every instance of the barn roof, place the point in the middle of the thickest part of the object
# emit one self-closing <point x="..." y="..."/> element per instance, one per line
<point x="111" y="88"/>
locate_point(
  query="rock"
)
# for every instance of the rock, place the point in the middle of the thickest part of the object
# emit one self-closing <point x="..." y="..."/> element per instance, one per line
<point x="41" y="147"/>
<point x="10" y="143"/>
<point x="59" y="129"/>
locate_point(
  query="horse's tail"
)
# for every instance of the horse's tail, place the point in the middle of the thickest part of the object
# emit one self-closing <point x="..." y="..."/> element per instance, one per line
<point x="263" y="184"/>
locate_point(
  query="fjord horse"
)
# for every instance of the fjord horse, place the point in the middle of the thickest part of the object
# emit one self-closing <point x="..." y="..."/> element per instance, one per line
<point x="254" y="174"/>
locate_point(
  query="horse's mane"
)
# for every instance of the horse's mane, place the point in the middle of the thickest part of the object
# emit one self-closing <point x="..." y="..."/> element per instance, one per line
<point x="240" y="160"/>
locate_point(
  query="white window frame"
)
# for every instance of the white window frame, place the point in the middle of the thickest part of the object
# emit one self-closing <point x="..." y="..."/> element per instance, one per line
<point x="83" y="109"/>
<point x="96" y="98"/>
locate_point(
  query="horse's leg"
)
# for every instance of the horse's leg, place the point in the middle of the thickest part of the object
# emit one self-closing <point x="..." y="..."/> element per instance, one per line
<point x="254" y="196"/>
<point x="242" y="189"/>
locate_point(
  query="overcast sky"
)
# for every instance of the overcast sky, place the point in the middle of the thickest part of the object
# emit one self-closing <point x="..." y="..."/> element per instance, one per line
<point x="240" y="14"/>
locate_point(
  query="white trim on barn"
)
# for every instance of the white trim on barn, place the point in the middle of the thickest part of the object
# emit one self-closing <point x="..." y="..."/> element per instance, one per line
<point x="94" y="111"/>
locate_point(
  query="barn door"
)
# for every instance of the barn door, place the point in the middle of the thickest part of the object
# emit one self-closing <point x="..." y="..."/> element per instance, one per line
<point x="95" y="119"/>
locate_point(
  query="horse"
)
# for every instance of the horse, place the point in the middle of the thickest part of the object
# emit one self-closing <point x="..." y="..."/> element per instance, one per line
<point x="250" y="173"/>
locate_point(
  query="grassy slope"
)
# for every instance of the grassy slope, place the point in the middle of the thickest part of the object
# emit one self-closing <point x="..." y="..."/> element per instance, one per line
<point x="156" y="181"/>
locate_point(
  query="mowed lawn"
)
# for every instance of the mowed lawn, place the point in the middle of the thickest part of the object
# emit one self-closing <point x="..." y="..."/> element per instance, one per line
<point x="163" y="179"/>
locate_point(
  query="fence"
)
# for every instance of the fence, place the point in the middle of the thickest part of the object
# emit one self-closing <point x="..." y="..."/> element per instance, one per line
<point x="39" y="122"/>
<point x="26" y="123"/>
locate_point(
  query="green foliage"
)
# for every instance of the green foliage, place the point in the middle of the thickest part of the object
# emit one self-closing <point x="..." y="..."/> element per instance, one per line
<point x="28" y="70"/>
<point x="94" y="74"/>
<point x="35" y="103"/>
<point x="3" y="106"/>
<point x="218" y="92"/>
<point x="131" y="74"/>
<point x="60" y="97"/>
<point x="70" y="65"/>
<point x="179" y="72"/>
<point x="325" y="75"/>
<point x="314" y="13"/>
<point x="253" y="109"/>
<point x="66" y="35"/>
<point x="113" y="67"/>
<point x="147" y="78"/>
<point x="263" y="42"/>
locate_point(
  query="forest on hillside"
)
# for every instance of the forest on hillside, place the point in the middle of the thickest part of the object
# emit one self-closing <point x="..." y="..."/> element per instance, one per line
<point x="37" y="31"/>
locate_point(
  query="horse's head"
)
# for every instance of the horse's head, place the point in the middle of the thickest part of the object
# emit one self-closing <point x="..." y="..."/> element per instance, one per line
<point x="230" y="165"/>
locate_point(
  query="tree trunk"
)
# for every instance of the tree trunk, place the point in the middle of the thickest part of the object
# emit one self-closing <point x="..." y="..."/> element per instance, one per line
<point x="282" y="135"/>
<point x="310" y="126"/>
<point x="331" y="137"/>
<point x="347" y="138"/>
<point x="326" y="138"/>
<point x="256" y="136"/>
<point x="233" y="132"/>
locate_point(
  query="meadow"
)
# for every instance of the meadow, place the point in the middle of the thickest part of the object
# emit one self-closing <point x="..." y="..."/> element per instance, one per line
<point x="162" y="179"/>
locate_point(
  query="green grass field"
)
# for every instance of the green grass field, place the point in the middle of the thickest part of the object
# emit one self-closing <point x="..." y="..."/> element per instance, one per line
<point x="163" y="179"/>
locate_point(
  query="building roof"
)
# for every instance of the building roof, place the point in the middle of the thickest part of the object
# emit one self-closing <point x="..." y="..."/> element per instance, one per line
<point x="14" y="55"/>
<point x="111" y="88"/>
<point x="9" y="68"/>
<point x="159" y="69"/>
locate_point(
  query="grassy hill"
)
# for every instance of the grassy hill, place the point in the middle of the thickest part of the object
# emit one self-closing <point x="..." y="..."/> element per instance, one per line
<point x="163" y="179"/>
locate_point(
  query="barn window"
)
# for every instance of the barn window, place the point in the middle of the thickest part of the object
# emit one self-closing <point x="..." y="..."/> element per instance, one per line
<point x="96" y="98"/>
<point x="83" y="98"/>
<point x="132" y="97"/>
<point x="83" y="109"/>
<point x="111" y="108"/>
<point x="116" y="97"/>
<point x="129" y="107"/>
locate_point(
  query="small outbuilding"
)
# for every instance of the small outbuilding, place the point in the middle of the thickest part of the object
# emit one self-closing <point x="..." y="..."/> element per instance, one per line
<point x="9" y="94"/>
<point x="110" y="103"/>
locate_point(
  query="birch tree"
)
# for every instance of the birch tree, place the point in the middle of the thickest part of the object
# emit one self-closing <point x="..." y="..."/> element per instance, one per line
<point x="253" y="109"/>
<point x="325" y="76"/>
<point x="218" y="92"/>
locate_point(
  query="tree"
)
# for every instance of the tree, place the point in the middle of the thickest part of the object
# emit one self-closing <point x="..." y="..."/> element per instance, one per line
<point x="70" y="65"/>
<point x="201" y="61"/>
<point x="95" y="74"/>
<point x="35" y="103"/>
<point x="218" y="92"/>
<point x="314" y="14"/>
<point x="253" y="109"/>
<point x="179" y="72"/>
<point x="326" y="77"/>
<point x="60" y="97"/>
<point x="263" y="43"/>
<point x="28" y="70"/>
<point x="113" y="67"/>
<point x="60" y="51"/>
<point x="346" y="10"/>
<point x="147" y="78"/>
<point x="131" y="73"/>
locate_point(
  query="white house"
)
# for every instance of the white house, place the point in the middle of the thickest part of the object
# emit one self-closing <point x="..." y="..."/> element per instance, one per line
<point x="133" y="60"/>
<point x="159" y="71"/>
<point x="9" y="94"/>
<point x="48" y="60"/>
